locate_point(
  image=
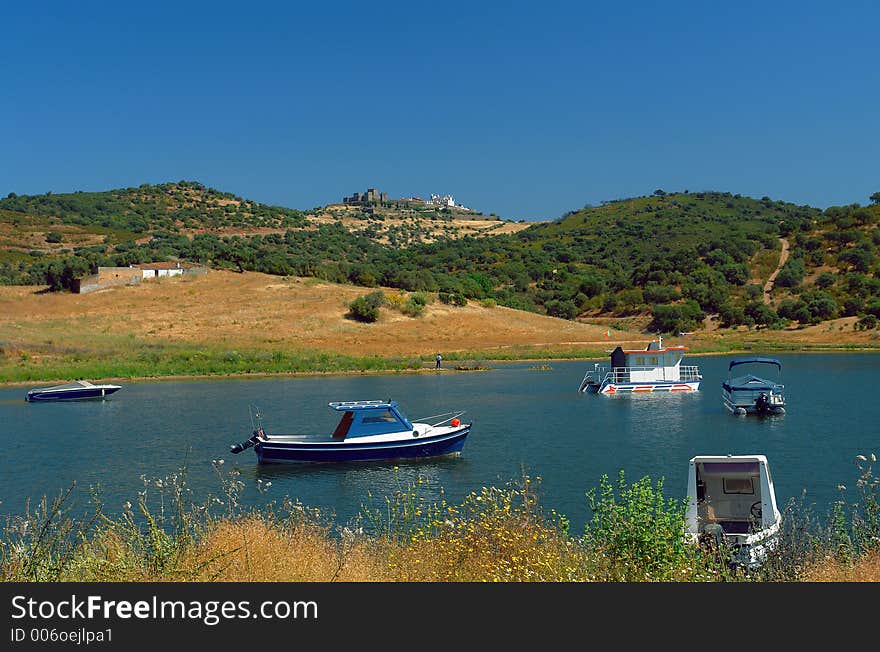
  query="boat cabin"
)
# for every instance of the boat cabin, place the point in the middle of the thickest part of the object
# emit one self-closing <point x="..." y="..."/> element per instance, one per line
<point x="366" y="418"/>
<point x="656" y="362"/>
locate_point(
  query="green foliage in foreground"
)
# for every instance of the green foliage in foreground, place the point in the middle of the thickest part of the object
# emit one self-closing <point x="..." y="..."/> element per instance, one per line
<point x="637" y="529"/>
<point x="497" y="533"/>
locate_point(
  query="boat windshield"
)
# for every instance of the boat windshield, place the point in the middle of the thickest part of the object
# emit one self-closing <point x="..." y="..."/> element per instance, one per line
<point x="366" y="418"/>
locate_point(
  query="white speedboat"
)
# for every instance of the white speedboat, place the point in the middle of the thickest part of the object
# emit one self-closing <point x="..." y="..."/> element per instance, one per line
<point x="80" y="390"/>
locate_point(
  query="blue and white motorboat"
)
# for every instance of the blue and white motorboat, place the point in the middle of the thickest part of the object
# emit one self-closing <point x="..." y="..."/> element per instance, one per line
<point x="751" y="394"/>
<point x="79" y="390"/>
<point x="656" y="368"/>
<point x="366" y="431"/>
<point x="731" y="507"/>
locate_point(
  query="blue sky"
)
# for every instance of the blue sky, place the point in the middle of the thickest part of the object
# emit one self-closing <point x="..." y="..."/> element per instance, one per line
<point x="524" y="109"/>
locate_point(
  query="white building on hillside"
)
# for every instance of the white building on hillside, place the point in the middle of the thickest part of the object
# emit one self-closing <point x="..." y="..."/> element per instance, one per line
<point x="442" y="200"/>
<point x="445" y="200"/>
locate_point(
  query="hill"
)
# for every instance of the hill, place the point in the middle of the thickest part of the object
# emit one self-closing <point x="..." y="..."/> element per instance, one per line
<point x="173" y="326"/>
<point x="669" y="262"/>
<point x="189" y="208"/>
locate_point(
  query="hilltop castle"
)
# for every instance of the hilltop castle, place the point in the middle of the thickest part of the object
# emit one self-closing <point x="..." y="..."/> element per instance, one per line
<point x="373" y="197"/>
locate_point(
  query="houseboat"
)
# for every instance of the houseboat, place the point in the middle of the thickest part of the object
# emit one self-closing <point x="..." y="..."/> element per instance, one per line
<point x="656" y="368"/>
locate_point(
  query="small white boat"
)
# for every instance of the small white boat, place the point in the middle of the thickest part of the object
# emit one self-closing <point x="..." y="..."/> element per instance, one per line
<point x="366" y="431"/>
<point x="79" y="390"/>
<point x="654" y="369"/>
<point x="731" y="505"/>
<point x="751" y="394"/>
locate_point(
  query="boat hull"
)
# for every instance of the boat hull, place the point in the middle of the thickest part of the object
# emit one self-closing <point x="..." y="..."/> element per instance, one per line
<point x="71" y="395"/>
<point x="447" y="444"/>
<point x="642" y="387"/>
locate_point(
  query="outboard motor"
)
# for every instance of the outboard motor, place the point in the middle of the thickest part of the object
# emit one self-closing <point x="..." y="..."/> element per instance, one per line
<point x="762" y="403"/>
<point x="235" y="449"/>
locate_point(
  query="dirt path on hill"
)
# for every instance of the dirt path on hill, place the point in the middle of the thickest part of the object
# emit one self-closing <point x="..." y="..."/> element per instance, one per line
<point x="783" y="256"/>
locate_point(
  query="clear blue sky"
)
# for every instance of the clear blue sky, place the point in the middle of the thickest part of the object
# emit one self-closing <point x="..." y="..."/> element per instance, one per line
<point x="525" y="109"/>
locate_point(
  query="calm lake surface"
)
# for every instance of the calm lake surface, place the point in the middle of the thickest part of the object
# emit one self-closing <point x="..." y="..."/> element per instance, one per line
<point x="524" y="421"/>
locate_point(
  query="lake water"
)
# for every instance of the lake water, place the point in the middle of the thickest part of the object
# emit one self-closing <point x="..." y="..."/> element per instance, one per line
<point x="524" y="421"/>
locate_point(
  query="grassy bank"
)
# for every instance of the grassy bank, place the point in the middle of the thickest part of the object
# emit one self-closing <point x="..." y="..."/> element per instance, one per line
<point x="173" y="361"/>
<point x="128" y="358"/>
<point x="495" y="534"/>
<point x="140" y="360"/>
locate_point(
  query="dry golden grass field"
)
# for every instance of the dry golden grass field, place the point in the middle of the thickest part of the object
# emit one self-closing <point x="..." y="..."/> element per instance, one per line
<point x="229" y="311"/>
<point x="269" y="312"/>
<point x="256" y="312"/>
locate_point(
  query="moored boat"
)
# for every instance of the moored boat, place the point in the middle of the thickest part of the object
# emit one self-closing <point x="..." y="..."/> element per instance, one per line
<point x="656" y="368"/>
<point x="751" y="394"/>
<point x="731" y="507"/>
<point x="79" y="390"/>
<point x="366" y="431"/>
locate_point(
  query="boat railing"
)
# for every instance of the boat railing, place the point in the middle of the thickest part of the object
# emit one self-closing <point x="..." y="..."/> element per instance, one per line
<point x="599" y="374"/>
<point x="450" y="416"/>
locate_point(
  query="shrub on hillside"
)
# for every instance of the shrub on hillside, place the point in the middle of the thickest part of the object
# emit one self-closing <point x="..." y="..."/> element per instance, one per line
<point x="366" y="308"/>
<point x="561" y="309"/>
<point x="452" y="298"/>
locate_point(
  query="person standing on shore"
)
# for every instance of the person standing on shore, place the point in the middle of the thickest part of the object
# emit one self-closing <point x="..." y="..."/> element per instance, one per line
<point x="438" y="359"/>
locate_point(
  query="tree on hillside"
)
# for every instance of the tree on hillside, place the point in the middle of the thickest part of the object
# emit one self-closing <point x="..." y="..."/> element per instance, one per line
<point x="791" y="274"/>
<point x="62" y="274"/>
<point x="875" y="198"/>
<point x="761" y="315"/>
<point x="678" y="317"/>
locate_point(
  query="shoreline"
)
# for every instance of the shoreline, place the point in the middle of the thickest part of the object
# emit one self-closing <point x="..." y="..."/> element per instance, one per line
<point x="428" y="367"/>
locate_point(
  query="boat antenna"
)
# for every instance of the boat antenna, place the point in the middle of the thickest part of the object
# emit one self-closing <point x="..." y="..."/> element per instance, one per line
<point x="255" y="414"/>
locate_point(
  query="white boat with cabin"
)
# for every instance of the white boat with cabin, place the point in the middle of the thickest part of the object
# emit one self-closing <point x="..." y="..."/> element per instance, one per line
<point x="367" y="431"/>
<point x="731" y="505"/>
<point x="656" y="368"/>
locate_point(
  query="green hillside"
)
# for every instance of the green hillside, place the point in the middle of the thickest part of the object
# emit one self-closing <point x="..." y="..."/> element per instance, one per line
<point x="671" y="259"/>
<point x="148" y="208"/>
